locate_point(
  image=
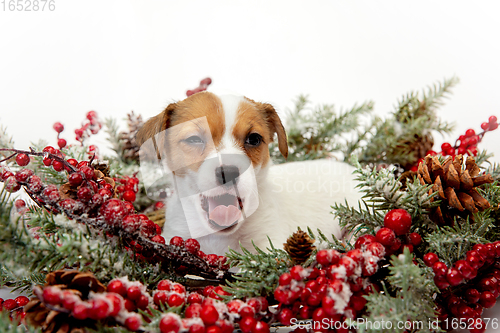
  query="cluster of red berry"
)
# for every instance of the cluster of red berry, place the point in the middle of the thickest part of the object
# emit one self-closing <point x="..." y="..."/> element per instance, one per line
<point x="469" y="285"/>
<point x="207" y="314"/>
<point x="334" y="290"/>
<point x="202" y="87"/>
<point x="395" y="234"/>
<point x="94" y="200"/>
<point x="203" y="313"/>
<point x="467" y="143"/>
<point x="15" y="307"/>
<point x="98" y="306"/>
<point x="193" y="247"/>
<point x="91" y="125"/>
<point x="128" y="188"/>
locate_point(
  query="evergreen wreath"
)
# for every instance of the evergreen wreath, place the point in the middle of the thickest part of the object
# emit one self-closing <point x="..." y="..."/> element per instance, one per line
<point x="424" y="246"/>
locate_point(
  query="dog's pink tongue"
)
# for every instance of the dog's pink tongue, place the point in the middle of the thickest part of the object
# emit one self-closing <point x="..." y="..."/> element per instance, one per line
<point x="225" y="215"/>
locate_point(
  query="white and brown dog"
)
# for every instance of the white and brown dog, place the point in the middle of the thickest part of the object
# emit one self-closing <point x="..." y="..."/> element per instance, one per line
<point x="227" y="192"/>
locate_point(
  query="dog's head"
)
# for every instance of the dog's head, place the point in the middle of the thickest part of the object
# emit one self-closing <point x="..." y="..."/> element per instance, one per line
<point x="216" y="148"/>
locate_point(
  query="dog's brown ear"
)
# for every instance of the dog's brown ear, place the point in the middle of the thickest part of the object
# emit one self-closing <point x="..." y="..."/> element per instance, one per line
<point x="155" y="125"/>
<point x="274" y="123"/>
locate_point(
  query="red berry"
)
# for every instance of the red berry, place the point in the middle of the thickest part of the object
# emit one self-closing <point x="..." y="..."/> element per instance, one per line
<point x="193" y="310"/>
<point x="21" y="300"/>
<point x="80" y="311"/>
<point x="472" y="295"/>
<point x="355" y="255"/>
<point x="285" y="316"/>
<point x="285" y="279"/>
<point x="470" y="132"/>
<point x="158" y="239"/>
<point x="84" y="194"/>
<point x="398" y="220"/>
<point x="212" y="259"/>
<point x="159" y="205"/>
<point x="22" y="159"/>
<point x="61" y="143"/>
<point x="51" y="295"/>
<point x="377" y="249"/>
<point x="75" y="179"/>
<point x="129" y="305"/>
<point x="247" y="311"/>
<point x="164" y="285"/>
<point x="445" y="146"/>
<point x="415" y="239"/>
<point x="160" y="297"/>
<point x="87" y="171"/>
<point x="9" y="304"/>
<point x="47" y="161"/>
<point x="493" y="126"/>
<point x="485" y="126"/>
<point x="349" y="264"/>
<point x="209" y="314"/>
<point x="116" y="304"/>
<point x="441" y="282"/>
<point x="133" y="322"/>
<point x="430" y="258"/>
<point x="357" y="302"/>
<point x="91" y="115"/>
<point x="450" y="151"/>
<point x="454" y="277"/>
<point x="175" y="300"/>
<point x="439" y="268"/>
<point x="492" y="120"/>
<point x="297" y="273"/>
<point x="407" y="246"/>
<point x="487" y="299"/>
<point x="99" y="309"/>
<point x="386" y="236"/>
<point x="177" y="241"/>
<point x="129" y="196"/>
<point x="134" y="293"/>
<point x="192" y="245"/>
<point x="178" y="288"/>
<point x="260" y="327"/>
<point x="364" y="240"/>
<point x="58" y="166"/>
<point x="113" y="211"/>
<point x="58" y="127"/>
<point x="247" y="324"/>
<point x="213" y="329"/>
<point x="19" y="204"/>
<point x="464" y="268"/>
<point x="23" y="175"/>
<point x="49" y="149"/>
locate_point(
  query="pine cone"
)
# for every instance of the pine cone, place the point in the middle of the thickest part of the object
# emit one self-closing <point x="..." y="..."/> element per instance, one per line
<point x="130" y="148"/>
<point x="456" y="186"/>
<point x="299" y="246"/>
<point x="417" y="148"/>
<point x="58" y="320"/>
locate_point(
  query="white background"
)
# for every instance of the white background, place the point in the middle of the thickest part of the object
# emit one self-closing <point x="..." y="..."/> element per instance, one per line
<point x="118" y="56"/>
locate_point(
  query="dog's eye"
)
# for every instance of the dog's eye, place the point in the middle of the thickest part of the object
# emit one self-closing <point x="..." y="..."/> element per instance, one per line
<point x="194" y="140"/>
<point x="253" y="139"/>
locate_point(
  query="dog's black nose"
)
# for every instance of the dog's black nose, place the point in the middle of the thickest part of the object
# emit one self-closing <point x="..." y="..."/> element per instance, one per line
<point x="226" y="174"/>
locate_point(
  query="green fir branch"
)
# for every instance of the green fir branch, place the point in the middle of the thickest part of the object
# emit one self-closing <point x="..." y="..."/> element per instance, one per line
<point x="67" y="244"/>
<point x="451" y="243"/>
<point x="358" y="221"/>
<point x="314" y="133"/>
<point x="384" y="192"/>
<point x="412" y="301"/>
<point x="259" y="273"/>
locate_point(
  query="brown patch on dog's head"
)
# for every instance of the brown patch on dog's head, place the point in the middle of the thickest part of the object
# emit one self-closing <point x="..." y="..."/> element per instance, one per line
<point x="186" y="122"/>
<point x="255" y="120"/>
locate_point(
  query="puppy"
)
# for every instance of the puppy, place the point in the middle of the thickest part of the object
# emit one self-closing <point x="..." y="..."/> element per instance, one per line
<point x="226" y="191"/>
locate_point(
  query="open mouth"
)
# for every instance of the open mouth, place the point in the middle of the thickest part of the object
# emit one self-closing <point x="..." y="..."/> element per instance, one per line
<point x="223" y="211"/>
